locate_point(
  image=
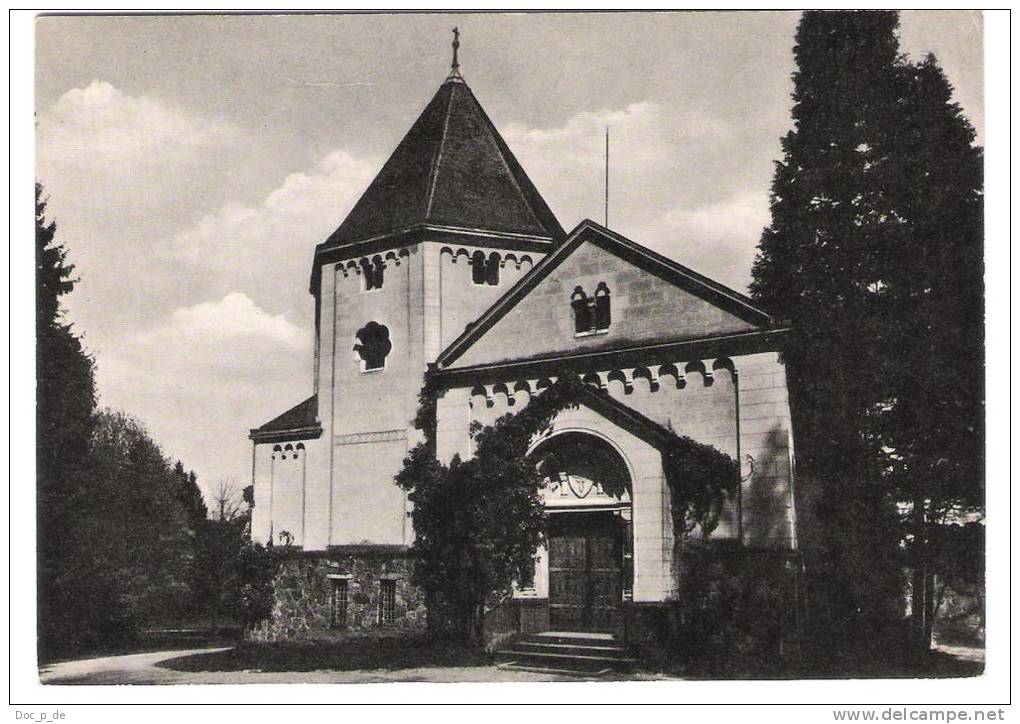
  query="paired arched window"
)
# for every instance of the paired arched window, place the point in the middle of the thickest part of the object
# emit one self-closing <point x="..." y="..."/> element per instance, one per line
<point x="591" y="314"/>
<point x="372" y="272"/>
<point x="485" y="270"/>
<point x="373" y="344"/>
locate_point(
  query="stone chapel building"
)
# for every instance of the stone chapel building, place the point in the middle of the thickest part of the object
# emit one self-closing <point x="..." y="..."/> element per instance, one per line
<point x="452" y="264"/>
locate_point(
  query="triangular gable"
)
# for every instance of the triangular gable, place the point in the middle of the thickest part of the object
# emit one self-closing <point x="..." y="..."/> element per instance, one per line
<point x="654" y="300"/>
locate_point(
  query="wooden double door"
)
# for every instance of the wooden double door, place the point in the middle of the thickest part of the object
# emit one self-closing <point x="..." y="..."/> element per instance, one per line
<point x="585" y="571"/>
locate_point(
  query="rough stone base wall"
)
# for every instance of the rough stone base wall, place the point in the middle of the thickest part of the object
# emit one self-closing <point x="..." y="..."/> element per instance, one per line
<point x="303" y="590"/>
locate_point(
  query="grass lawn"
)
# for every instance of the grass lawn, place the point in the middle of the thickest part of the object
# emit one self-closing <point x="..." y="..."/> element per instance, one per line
<point x="340" y="654"/>
<point x="396" y="651"/>
<point x="934" y="665"/>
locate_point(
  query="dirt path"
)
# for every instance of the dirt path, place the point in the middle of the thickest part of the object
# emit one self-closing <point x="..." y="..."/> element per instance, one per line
<point x="973" y="654"/>
<point x="145" y="669"/>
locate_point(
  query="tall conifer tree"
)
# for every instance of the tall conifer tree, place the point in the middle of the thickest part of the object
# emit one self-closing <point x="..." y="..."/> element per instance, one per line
<point x="932" y="425"/>
<point x="874" y="254"/>
<point x="819" y="265"/>
<point x="65" y="403"/>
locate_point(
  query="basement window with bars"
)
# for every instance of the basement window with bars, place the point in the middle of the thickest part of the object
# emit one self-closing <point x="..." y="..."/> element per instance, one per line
<point x="338" y="603"/>
<point x="387" y="601"/>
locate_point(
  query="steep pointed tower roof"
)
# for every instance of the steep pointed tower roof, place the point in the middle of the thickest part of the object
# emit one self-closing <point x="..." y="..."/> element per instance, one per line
<point x="452" y="169"/>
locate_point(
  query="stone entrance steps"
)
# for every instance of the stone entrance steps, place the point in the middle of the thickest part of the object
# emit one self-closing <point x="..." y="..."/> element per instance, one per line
<point x="567" y="653"/>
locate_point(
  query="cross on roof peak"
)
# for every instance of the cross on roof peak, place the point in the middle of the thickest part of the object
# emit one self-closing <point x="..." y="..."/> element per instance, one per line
<point x="455" y="65"/>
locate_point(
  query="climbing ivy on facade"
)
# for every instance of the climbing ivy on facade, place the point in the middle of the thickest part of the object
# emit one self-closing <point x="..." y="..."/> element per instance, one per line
<point x="479" y="522"/>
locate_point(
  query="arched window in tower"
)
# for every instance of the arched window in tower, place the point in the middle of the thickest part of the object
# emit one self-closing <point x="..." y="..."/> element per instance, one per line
<point x="372" y="272"/>
<point x="603" y="312"/>
<point x="492" y="270"/>
<point x="478" y="267"/>
<point x="373" y="344"/>
<point x="582" y="311"/>
<point x="366" y="274"/>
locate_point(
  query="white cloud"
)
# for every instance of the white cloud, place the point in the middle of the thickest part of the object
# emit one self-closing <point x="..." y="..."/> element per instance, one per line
<point x="738" y="218"/>
<point x="718" y="239"/>
<point x="656" y="197"/>
<point x="266" y="250"/>
<point x="291" y="219"/>
<point x="235" y="317"/>
<point x="212" y="346"/>
<point x="119" y="171"/>
<point x="206" y="374"/>
<point x="109" y="158"/>
<point x="125" y="176"/>
<point x="650" y="152"/>
<point x="566" y="162"/>
<point x="581" y="140"/>
<point x="111" y="133"/>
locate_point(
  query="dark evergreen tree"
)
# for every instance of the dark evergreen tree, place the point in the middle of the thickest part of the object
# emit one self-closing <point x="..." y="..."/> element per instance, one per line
<point x="932" y="425"/>
<point x="190" y="496"/>
<point x="819" y="265"/>
<point x="54" y="275"/>
<point x="65" y="402"/>
<point x="874" y="255"/>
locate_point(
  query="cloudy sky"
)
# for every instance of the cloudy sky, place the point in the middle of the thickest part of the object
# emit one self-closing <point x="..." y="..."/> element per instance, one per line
<point x="193" y="163"/>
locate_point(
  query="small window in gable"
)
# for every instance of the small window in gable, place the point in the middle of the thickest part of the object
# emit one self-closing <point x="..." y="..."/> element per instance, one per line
<point x="373" y="344"/>
<point x="593" y="314"/>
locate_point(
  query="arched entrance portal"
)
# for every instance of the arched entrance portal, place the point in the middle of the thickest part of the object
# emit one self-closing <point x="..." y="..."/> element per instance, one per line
<point x="588" y="499"/>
